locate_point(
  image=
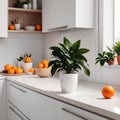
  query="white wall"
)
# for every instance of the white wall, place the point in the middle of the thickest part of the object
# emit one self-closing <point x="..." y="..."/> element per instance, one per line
<point x="20" y="43"/>
<point x="106" y="75"/>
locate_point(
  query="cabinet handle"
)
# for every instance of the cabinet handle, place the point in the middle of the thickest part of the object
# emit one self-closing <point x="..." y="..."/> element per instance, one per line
<point x="18" y="88"/>
<point x="58" y="28"/>
<point x="74" y="114"/>
<point x="16" y="113"/>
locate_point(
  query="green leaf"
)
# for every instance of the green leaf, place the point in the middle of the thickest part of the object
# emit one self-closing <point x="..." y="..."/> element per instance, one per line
<point x="67" y="43"/>
<point x="75" y="46"/>
<point x="83" y="50"/>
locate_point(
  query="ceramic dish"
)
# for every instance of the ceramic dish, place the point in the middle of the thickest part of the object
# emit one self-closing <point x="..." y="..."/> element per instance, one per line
<point x="30" y="28"/>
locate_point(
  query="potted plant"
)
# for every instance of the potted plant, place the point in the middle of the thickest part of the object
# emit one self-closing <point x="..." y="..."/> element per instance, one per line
<point x="105" y="57"/>
<point x="69" y="59"/>
<point x="25" y="3"/>
<point x="16" y="23"/>
<point x="25" y="62"/>
<point x="116" y="48"/>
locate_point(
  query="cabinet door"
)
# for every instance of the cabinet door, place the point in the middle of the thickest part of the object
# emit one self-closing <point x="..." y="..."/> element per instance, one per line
<point x="41" y="107"/>
<point x="58" y="14"/>
<point x="3" y="18"/>
<point x="68" y="112"/>
<point x="14" y="114"/>
<point x="2" y="100"/>
<point x="18" y="96"/>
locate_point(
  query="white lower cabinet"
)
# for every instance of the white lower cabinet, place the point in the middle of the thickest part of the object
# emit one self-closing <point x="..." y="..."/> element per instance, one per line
<point x="2" y="100"/>
<point x="18" y="96"/>
<point x="25" y="104"/>
<point x="14" y="114"/>
<point x="42" y="107"/>
<point x="68" y="112"/>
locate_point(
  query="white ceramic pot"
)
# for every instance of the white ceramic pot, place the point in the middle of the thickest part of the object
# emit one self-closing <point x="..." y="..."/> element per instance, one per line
<point x="17" y="26"/>
<point x="69" y="82"/>
<point x="26" y="66"/>
<point x="25" y="6"/>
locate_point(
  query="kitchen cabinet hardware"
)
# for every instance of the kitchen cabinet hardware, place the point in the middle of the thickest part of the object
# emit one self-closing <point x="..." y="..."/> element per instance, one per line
<point x="70" y="112"/>
<point x="16" y="113"/>
<point x="59" y="28"/>
<point x="18" y="88"/>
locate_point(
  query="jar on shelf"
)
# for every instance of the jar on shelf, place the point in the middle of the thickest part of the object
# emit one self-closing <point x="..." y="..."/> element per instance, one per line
<point x="34" y="4"/>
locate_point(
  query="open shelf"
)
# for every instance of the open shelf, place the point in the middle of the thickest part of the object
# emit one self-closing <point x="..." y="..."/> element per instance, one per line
<point x="24" y="10"/>
<point x="23" y="31"/>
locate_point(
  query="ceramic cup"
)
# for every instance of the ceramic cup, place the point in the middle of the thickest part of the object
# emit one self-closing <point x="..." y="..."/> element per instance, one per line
<point x="17" y="26"/>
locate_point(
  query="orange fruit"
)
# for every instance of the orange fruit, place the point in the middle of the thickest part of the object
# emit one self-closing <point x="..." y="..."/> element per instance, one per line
<point x="27" y="59"/>
<point x="19" y="70"/>
<point x="14" y="68"/>
<point x="31" y="70"/>
<point x="7" y="67"/>
<point x="38" y="27"/>
<point x="45" y="63"/>
<point x="10" y="71"/>
<point x="11" y="27"/>
<point x="108" y="92"/>
<point x="39" y="65"/>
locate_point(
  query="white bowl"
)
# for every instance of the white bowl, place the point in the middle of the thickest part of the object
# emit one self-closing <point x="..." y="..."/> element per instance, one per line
<point x="30" y="28"/>
<point x="43" y="72"/>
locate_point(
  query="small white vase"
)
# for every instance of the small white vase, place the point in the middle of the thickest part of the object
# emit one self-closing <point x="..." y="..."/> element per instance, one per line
<point x="34" y="4"/>
<point x="25" y="6"/>
<point x="26" y="66"/>
<point x="17" y="26"/>
<point x="69" y="82"/>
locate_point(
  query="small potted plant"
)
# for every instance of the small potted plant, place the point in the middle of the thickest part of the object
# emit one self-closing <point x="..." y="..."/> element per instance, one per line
<point x="69" y="58"/>
<point x="25" y="62"/>
<point x="16" y="23"/>
<point x="18" y="4"/>
<point x="25" y="4"/>
<point x="116" y="48"/>
<point x="106" y="57"/>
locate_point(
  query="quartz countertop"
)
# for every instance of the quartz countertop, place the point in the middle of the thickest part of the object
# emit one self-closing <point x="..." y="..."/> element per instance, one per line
<point x="88" y="95"/>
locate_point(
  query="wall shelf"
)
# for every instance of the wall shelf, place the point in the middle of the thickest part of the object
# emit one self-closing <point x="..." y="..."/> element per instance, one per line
<point x="24" y="10"/>
<point x="23" y="31"/>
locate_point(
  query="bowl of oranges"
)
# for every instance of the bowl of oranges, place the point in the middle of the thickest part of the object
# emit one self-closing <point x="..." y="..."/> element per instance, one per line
<point x="42" y="69"/>
<point x="12" y="70"/>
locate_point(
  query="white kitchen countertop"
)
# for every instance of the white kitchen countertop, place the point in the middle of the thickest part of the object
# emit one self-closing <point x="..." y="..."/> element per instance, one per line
<point x="88" y="94"/>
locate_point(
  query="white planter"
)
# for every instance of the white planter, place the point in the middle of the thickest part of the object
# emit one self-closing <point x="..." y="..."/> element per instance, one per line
<point x="17" y="26"/>
<point x="25" y="6"/>
<point x="26" y="66"/>
<point x="69" y="82"/>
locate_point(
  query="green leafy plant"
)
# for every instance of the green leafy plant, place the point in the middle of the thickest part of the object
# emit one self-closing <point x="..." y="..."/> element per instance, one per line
<point x="116" y="47"/>
<point x="69" y="57"/>
<point x="105" y="57"/>
<point x="26" y="2"/>
<point x="21" y="58"/>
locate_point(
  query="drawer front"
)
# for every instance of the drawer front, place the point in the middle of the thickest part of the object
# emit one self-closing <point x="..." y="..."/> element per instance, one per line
<point x="18" y="96"/>
<point x="14" y="114"/>
<point x="68" y="112"/>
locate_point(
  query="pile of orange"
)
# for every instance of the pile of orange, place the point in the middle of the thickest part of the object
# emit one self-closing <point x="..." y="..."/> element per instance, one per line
<point x="43" y="64"/>
<point x="12" y="69"/>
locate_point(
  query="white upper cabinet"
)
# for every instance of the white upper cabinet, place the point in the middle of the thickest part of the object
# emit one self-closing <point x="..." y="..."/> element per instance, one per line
<point x="59" y="14"/>
<point x="3" y="18"/>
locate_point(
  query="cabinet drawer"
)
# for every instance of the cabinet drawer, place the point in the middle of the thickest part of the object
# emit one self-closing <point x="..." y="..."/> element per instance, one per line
<point x="18" y="96"/>
<point x="68" y="112"/>
<point x="14" y="114"/>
